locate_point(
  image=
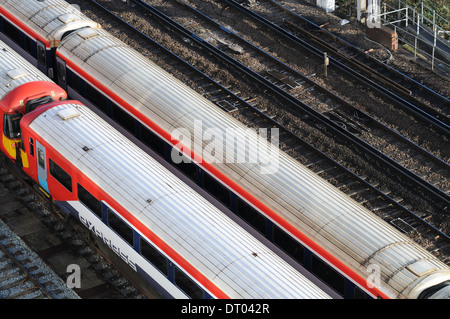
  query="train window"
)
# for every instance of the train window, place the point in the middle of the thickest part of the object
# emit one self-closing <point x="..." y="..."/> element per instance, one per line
<point x="76" y="82"/>
<point x="154" y="256"/>
<point x="28" y="45"/>
<point x="11" y="31"/>
<point x="288" y="244"/>
<point x="60" y="175"/>
<point x="90" y="201"/>
<point x="31" y="146"/>
<point x="61" y="71"/>
<point x="216" y="189"/>
<point x="359" y="294"/>
<point x="98" y="99"/>
<point x="187" y="285"/>
<point x="187" y="167"/>
<point x="251" y="216"/>
<point x="328" y="275"/>
<point x="119" y="226"/>
<point x="41" y="55"/>
<point x="12" y="125"/>
<point x="41" y="158"/>
<point x="31" y="105"/>
<point x="124" y="119"/>
<point x="152" y="141"/>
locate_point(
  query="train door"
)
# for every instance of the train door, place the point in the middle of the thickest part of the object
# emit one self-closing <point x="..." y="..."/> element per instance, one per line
<point x="42" y="166"/>
<point x="61" y="73"/>
<point x="41" y="57"/>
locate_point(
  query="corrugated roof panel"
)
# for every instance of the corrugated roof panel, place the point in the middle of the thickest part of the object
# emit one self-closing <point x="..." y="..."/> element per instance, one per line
<point x="199" y="232"/>
<point x="50" y="18"/>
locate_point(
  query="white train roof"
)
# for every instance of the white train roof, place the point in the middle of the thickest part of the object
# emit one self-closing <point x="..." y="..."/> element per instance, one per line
<point x="198" y="231"/>
<point x="334" y="221"/>
<point x="51" y="19"/>
<point x="15" y="70"/>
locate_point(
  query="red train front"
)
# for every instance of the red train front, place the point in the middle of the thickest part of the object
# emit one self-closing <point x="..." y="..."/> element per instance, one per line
<point x="15" y="104"/>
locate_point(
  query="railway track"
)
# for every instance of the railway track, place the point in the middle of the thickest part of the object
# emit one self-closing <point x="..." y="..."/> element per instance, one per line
<point x="248" y="105"/>
<point x="317" y="39"/>
<point x="37" y="246"/>
<point x="349" y="116"/>
<point x="23" y="275"/>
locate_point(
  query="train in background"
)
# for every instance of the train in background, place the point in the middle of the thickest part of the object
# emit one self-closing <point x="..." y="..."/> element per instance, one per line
<point x="331" y="235"/>
<point x="162" y="229"/>
<point x="23" y="89"/>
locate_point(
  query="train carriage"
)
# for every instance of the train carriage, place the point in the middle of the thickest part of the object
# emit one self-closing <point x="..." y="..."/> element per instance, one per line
<point x="328" y="232"/>
<point x="35" y="28"/>
<point x="162" y="228"/>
